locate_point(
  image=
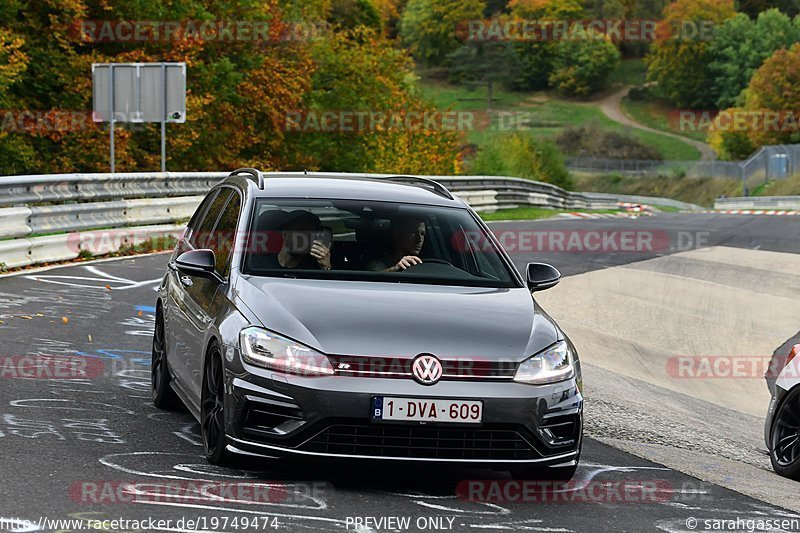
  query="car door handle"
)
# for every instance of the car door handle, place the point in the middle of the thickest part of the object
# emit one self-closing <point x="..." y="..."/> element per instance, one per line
<point x="186" y="281"/>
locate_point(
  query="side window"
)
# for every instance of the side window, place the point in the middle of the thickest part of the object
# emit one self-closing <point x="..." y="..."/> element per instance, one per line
<point x="200" y="236"/>
<point x="197" y="217"/>
<point x="225" y="233"/>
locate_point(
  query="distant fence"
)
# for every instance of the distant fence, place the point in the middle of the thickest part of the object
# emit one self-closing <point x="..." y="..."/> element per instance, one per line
<point x="776" y="162"/>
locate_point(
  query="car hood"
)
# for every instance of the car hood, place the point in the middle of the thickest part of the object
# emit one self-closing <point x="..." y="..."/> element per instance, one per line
<point x="401" y="320"/>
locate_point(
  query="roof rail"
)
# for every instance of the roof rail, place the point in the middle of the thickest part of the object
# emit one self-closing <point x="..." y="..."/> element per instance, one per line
<point x="438" y="188"/>
<point x="254" y="174"/>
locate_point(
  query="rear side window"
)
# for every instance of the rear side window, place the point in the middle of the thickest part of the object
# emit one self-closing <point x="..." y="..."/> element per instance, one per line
<point x="200" y="236"/>
<point x="225" y="233"/>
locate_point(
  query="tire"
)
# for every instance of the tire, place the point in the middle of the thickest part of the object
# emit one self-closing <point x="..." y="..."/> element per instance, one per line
<point x="163" y="395"/>
<point x="212" y="409"/>
<point x="784" y="449"/>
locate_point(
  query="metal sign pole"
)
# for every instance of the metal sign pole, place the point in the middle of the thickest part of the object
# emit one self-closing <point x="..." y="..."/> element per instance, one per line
<point x="164" y="120"/>
<point x="111" y="110"/>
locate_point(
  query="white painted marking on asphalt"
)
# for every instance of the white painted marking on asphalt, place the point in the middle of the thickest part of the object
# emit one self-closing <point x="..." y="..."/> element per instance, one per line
<point x="188" y="434"/>
<point x="103" y="279"/>
<point x="499" y="510"/>
<point x="102" y="406"/>
<point x="204" y="469"/>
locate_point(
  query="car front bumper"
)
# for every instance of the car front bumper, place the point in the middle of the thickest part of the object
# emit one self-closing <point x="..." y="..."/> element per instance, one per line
<point x="277" y="415"/>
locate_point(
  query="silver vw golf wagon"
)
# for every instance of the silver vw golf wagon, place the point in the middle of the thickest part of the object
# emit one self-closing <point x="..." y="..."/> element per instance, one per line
<point x="353" y="317"/>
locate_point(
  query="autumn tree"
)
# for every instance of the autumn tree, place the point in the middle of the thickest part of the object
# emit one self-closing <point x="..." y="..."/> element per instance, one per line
<point x="775" y="86"/>
<point x="679" y="58"/>
<point x="362" y="72"/>
<point x="740" y="46"/>
<point x="430" y="28"/>
<point x="536" y="56"/>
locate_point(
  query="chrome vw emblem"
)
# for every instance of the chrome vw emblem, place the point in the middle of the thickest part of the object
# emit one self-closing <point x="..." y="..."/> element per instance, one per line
<point x="427" y="369"/>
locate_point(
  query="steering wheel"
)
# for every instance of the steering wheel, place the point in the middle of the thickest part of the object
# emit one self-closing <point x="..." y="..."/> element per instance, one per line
<point x="429" y="262"/>
<point x="436" y="260"/>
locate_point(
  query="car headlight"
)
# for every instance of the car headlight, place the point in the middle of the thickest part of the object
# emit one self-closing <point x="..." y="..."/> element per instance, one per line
<point x="550" y="366"/>
<point x="263" y="348"/>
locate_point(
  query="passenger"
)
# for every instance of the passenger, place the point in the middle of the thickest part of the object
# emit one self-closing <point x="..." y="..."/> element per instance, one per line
<point x="300" y="248"/>
<point x="408" y="236"/>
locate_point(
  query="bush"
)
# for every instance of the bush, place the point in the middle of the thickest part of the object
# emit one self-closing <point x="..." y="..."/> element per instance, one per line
<point x="582" y="67"/>
<point x="535" y="65"/>
<point x="520" y="155"/>
<point x="593" y="141"/>
<point x="731" y="144"/>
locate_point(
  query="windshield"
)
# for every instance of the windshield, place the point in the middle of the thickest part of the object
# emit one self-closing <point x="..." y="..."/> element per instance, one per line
<point x="372" y="241"/>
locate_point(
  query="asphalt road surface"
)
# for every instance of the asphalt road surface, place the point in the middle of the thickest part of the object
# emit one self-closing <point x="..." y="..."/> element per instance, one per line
<point x="72" y="448"/>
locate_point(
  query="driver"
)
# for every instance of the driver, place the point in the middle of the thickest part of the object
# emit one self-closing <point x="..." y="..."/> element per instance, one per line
<point x="408" y="236"/>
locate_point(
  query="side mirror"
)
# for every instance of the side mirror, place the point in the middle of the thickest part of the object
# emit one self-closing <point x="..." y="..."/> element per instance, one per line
<point x="542" y="276"/>
<point x="199" y="263"/>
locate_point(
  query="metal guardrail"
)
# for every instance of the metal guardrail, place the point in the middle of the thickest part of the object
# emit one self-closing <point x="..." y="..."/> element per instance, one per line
<point x="759" y="202"/>
<point x="62" y="218"/>
<point x="59" y="188"/>
<point x="502" y="192"/>
<point x="69" y="206"/>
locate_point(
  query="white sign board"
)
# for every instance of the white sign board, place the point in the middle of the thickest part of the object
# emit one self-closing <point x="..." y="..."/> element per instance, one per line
<point x="142" y="92"/>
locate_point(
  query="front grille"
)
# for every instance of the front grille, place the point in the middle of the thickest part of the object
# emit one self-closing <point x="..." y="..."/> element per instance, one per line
<point x="394" y="367"/>
<point x="418" y="442"/>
